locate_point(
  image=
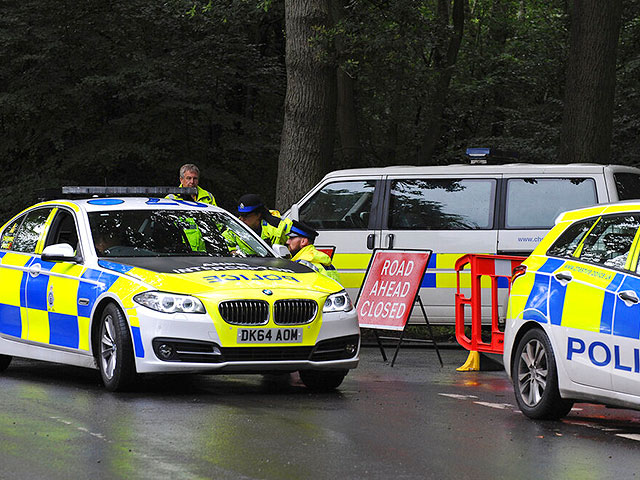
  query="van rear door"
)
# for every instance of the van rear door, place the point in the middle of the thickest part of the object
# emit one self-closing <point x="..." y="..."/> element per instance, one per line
<point x="451" y="216"/>
<point x="533" y="201"/>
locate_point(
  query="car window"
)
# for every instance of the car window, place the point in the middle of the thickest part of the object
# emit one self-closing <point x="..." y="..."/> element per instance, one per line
<point x="9" y="233"/>
<point x="628" y="185"/>
<point x="536" y="202"/>
<point x="609" y="242"/>
<point x="136" y="233"/>
<point x="63" y="229"/>
<point x="441" y="204"/>
<point x="340" y="206"/>
<point x="30" y="230"/>
<point x="567" y="242"/>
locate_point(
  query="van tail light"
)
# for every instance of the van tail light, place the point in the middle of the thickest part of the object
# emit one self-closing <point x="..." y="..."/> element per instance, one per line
<point x="518" y="272"/>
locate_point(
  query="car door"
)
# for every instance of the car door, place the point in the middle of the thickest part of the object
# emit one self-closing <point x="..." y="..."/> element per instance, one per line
<point x="13" y="318"/>
<point x="70" y="294"/>
<point x="592" y="286"/>
<point x="27" y="272"/>
<point x="345" y="212"/>
<point x="451" y="217"/>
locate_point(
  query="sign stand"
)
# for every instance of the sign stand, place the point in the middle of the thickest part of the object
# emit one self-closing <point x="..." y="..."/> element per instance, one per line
<point x="389" y="293"/>
<point x="432" y="341"/>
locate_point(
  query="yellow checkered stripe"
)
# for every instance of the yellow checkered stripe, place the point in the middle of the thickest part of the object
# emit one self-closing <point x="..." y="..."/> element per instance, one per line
<point x="440" y="272"/>
<point x="54" y="306"/>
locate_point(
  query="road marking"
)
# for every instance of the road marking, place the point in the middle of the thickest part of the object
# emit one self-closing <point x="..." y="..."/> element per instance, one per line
<point x="459" y="397"/>
<point x="630" y="436"/>
<point x="499" y="406"/>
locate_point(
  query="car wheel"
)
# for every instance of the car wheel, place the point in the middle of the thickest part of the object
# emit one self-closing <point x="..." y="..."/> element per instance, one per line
<point x="322" y="380"/>
<point x="5" y="360"/>
<point x="115" y="359"/>
<point x="535" y="378"/>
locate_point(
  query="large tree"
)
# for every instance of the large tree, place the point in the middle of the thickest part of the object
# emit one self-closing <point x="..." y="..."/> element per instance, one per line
<point x="591" y="81"/>
<point x="306" y="146"/>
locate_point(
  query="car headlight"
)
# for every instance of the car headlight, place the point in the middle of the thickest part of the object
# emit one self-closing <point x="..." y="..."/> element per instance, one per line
<point x="169" y="302"/>
<point x="338" y="302"/>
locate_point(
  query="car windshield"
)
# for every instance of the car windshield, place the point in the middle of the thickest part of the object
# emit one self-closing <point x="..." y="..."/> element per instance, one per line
<point x="146" y="233"/>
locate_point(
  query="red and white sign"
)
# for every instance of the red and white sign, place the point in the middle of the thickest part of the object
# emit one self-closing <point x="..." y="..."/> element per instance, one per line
<point x="328" y="250"/>
<point x="390" y="288"/>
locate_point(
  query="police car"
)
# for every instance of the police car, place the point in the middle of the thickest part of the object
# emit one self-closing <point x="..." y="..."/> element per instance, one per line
<point x="140" y="285"/>
<point x="573" y="322"/>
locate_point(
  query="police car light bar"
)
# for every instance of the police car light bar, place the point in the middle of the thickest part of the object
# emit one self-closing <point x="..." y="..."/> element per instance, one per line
<point x="129" y="191"/>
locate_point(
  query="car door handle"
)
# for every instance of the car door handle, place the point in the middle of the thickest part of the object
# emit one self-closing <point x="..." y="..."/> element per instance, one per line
<point x="34" y="270"/>
<point x="629" y="297"/>
<point x="390" y="237"/>
<point x="563" y="277"/>
<point x="371" y="241"/>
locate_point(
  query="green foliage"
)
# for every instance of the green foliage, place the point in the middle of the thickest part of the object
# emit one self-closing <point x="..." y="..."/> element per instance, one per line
<point x="124" y="92"/>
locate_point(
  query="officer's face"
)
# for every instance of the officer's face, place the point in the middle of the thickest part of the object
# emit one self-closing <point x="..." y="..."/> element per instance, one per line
<point x="190" y="179"/>
<point x="295" y="244"/>
<point x="252" y="220"/>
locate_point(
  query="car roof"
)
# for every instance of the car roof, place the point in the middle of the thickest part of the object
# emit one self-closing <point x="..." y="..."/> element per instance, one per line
<point x="519" y="168"/>
<point x="600" y="209"/>
<point x="102" y="204"/>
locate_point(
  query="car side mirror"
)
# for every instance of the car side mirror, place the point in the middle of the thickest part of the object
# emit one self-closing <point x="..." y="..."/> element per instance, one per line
<point x="294" y="212"/>
<point x="60" y="252"/>
<point x="281" y="251"/>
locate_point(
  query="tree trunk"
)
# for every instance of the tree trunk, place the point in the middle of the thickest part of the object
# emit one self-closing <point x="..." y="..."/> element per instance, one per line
<point x="445" y="58"/>
<point x="591" y="78"/>
<point x="350" y="150"/>
<point x="307" y="139"/>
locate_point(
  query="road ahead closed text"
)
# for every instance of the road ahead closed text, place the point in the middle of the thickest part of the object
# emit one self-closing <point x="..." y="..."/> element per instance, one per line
<point x="390" y="288"/>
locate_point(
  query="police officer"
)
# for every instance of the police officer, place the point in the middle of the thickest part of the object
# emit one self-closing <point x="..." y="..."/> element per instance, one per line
<point x="190" y="177"/>
<point x="266" y="223"/>
<point x="300" y="243"/>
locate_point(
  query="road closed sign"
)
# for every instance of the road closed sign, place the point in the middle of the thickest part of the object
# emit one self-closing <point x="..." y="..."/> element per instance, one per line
<point x="390" y="288"/>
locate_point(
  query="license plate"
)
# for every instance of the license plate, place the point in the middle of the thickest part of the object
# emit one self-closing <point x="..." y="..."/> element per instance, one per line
<point x="270" y="335"/>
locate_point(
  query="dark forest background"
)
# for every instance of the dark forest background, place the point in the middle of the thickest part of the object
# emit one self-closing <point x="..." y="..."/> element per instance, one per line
<point x="124" y="92"/>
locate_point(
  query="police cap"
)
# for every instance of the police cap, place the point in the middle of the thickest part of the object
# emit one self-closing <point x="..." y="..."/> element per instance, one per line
<point x="299" y="229"/>
<point x="249" y="203"/>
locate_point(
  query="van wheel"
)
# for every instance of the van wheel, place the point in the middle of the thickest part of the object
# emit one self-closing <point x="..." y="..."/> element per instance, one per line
<point x="322" y="380"/>
<point x="5" y="360"/>
<point x="116" y="363"/>
<point x="535" y="378"/>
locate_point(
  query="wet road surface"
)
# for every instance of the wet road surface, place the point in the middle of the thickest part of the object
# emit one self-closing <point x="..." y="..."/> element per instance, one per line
<point x="413" y="421"/>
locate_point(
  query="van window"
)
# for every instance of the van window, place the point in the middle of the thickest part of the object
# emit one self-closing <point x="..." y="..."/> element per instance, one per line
<point x="441" y="204"/>
<point x="536" y="202"/>
<point x="628" y="185"/>
<point x="340" y="206"/>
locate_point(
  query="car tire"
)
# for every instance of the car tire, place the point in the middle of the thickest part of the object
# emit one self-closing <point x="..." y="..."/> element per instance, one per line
<point x="322" y="380"/>
<point x="5" y="360"/>
<point x="535" y="378"/>
<point x="115" y="350"/>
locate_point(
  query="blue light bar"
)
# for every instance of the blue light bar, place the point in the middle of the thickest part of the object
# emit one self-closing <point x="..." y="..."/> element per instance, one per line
<point x="478" y="152"/>
<point x="128" y="191"/>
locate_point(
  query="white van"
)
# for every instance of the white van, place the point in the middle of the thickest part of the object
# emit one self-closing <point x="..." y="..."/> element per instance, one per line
<point x="452" y="210"/>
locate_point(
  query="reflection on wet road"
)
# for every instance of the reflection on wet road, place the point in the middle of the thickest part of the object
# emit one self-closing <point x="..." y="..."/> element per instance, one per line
<point x="415" y="420"/>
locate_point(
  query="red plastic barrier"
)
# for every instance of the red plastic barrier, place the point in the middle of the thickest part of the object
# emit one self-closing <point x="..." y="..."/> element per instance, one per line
<point x="493" y="266"/>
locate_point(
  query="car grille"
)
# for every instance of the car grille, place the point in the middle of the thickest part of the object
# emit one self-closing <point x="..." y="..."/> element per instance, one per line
<point x="294" y="312"/>
<point x="263" y="354"/>
<point x="244" y="312"/>
<point x="192" y="351"/>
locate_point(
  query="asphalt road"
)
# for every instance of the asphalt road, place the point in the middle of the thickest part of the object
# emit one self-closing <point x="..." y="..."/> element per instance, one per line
<point x="413" y="421"/>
